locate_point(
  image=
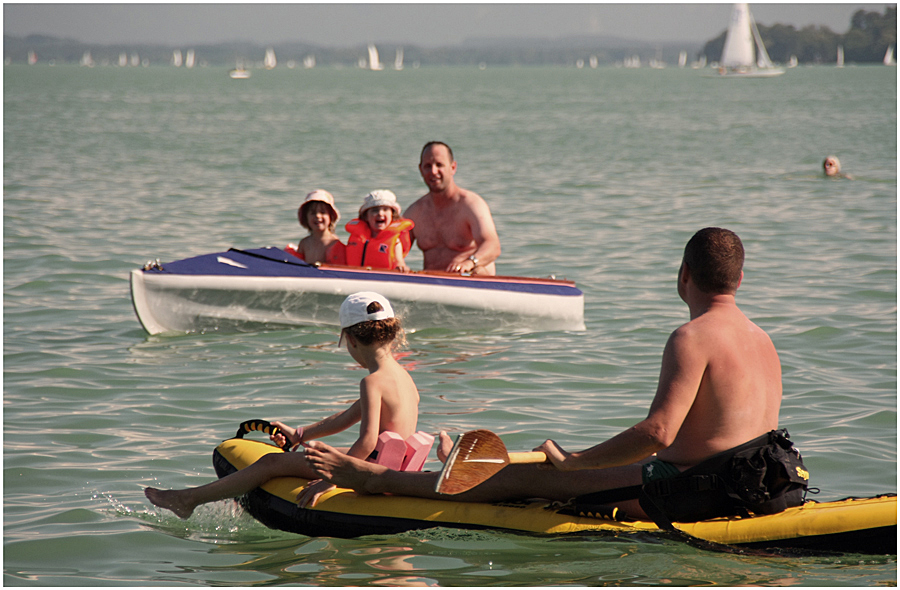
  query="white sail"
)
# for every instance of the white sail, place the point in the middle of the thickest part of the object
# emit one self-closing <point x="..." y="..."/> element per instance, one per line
<point x="840" y="56"/>
<point x="123" y="60"/>
<point x="792" y="63"/>
<point x="87" y="60"/>
<point x="593" y="62"/>
<point x="889" y="56"/>
<point x="738" y="49"/>
<point x="682" y="59"/>
<point x="176" y="58"/>
<point x="189" y="59"/>
<point x="309" y="61"/>
<point x="269" y="61"/>
<point x="398" y="59"/>
<point x="737" y="54"/>
<point x="374" y="62"/>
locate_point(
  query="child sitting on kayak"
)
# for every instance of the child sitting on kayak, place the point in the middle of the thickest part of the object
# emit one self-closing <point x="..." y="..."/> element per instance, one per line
<point x="319" y="215"/>
<point x="379" y="238"/>
<point x="388" y="402"/>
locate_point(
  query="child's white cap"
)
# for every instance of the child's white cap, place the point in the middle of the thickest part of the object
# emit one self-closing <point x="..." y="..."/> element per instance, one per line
<point x="322" y="197"/>
<point x="380" y="198"/>
<point x="363" y="307"/>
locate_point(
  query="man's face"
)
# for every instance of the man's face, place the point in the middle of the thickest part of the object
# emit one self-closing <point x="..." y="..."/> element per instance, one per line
<point x="436" y="168"/>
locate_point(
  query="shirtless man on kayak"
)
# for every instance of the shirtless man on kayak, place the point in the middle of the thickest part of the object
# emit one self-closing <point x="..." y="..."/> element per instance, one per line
<point x="454" y="227"/>
<point x="719" y="387"/>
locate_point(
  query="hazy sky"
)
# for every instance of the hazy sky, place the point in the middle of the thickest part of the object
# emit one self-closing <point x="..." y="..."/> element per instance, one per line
<point x="424" y="24"/>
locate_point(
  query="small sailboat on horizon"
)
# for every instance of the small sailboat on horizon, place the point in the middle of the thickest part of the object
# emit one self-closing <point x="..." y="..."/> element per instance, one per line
<point x="398" y="59"/>
<point x="737" y="59"/>
<point x="889" y="56"/>
<point x="374" y="63"/>
<point x="840" y="56"/>
<point x="269" y="61"/>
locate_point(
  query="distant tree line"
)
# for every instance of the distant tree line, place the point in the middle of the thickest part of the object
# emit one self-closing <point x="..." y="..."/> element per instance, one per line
<point x="867" y="40"/>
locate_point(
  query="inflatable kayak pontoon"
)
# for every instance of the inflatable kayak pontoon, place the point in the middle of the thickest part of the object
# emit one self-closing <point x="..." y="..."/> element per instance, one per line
<point x="272" y="287"/>
<point x="852" y="525"/>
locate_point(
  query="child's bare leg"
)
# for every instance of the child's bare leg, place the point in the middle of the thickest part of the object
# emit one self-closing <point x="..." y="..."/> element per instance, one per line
<point x="444" y="447"/>
<point x="183" y="502"/>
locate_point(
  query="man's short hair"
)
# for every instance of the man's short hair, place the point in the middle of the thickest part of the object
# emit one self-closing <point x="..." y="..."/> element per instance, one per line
<point x="715" y="257"/>
<point x="432" y="144"/>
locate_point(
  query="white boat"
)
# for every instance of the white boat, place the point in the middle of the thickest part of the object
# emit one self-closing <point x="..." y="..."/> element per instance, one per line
<point x="239" y="73"/>
<point x="593" y="62"/>
<point x="269" y="61"/>
<point x="682" y="59"/>
<point x="309" y="62"/>
<point x="738" y="53"/>
<point x="889" y="56"/>
<point x="32" y="58"/>
<point x="189" y="59"/>
<point x="135" y="60"/>
<point x="238" y="289"/>
<point x="840" y="56"/>
<point x="87" y="60"/>
<point x="700" y="63"/>
<point x="176" y="58"/>
<point x="374" y="63"/>
<point x="398" y="59"/>
<point x="792" y="63"/>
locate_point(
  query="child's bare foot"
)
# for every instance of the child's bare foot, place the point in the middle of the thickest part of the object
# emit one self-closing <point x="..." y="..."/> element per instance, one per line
<point x="170" y="500"/>
<point x="342" y="470"/>
<point x="444" y="447"/>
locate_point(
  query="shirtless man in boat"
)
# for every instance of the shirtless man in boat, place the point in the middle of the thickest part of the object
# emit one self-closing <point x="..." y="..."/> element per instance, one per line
<point x="454" y="227"/>
<point x="719" y="387"/>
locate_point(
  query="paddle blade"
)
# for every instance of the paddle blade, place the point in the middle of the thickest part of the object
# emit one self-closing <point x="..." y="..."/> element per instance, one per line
<point x="475" y="457"/>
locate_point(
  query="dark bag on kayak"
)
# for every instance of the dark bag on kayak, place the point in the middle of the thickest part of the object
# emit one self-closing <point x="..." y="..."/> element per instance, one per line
<point x="763" y="476"/>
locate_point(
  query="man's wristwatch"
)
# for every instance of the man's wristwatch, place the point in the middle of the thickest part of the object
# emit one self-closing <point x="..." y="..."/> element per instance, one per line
<point x="474" y="261"/>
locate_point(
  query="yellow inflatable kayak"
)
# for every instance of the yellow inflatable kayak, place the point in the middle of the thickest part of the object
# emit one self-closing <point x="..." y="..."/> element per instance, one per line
<point x="856" y="525"/>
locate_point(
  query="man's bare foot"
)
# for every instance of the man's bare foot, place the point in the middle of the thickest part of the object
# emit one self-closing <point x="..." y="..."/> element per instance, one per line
<point x="170" y="500"/>
<point x="342" y="470"/>
<point x="444" y="447"/>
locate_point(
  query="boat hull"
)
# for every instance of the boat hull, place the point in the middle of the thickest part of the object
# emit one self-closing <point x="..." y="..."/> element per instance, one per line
<point x="267" y="286"/>
<point x="867" y="525"/>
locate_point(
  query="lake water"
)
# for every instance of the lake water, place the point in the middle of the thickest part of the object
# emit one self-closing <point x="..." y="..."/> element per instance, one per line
<point x="599" y="176"/>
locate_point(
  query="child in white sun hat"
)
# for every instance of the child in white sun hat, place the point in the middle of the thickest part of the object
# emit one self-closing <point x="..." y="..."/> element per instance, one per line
<point x="387" y="412"/>
<point x="379" y="238"/>
<point x="319" y="215"/>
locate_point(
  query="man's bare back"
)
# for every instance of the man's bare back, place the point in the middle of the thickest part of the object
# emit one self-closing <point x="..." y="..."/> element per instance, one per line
<point x="454" y="227"/>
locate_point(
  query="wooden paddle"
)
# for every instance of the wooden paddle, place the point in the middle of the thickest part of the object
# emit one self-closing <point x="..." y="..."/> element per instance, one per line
<point x="475" y="457"/>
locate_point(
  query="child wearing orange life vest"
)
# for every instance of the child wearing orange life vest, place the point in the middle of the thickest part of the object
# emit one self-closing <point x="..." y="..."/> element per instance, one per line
<point x="379" y="238"/>
<point x="319" y="215"/>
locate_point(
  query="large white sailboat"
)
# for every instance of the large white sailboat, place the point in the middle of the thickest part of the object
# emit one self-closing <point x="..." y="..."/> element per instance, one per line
<point x="374" y="63"/>
<point x="737" y="55"/>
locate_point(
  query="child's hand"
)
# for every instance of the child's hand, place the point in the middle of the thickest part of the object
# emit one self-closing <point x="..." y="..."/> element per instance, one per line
<point x="401" y="266"/>
<point x="309" y="495"/>
<point x="286" y="434"/>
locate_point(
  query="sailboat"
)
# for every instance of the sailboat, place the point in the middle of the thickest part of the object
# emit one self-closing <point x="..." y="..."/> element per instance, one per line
<point x="737" y="55"/>
<point x="269" y="61"/>
<point x="176" y="58"/>
<point x="309" y="62"/>
<point x="840" y="56"/>
<point x="398" y="59"/>
<point x="374" y="62"/>
<point x="189" y="59"/>
<point x="32" y="58"/>
<point x="889" y="56"/>
<point x="682" y="59"/>
<point x="792" y="63"/>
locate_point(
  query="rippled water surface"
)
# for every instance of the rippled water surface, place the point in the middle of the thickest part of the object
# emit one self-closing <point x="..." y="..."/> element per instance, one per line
<point x="596" y="175"/>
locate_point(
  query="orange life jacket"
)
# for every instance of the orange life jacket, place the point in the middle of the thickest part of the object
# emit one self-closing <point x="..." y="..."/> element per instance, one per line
<point x="363" y="250"/>
<point x="335" y="254"/>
